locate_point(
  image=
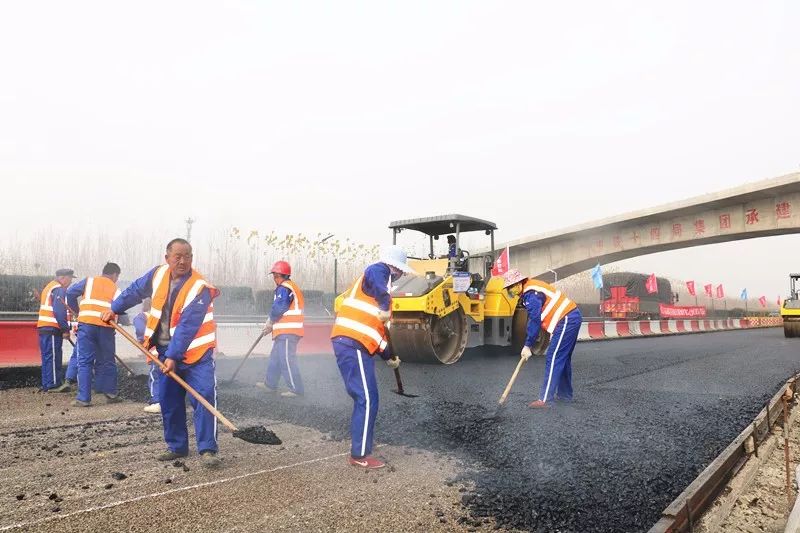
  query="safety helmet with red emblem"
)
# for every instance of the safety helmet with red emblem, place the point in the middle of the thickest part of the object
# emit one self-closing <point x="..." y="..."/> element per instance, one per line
<point x="512" y="277"/>
<point x="282" y="268"/>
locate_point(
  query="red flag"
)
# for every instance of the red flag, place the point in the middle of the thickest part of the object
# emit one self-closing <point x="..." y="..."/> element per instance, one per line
<point x="690" y="288"/>
<point x="651" y="284"/>
<point x="763" y="301"/>
<point x="720" y="292"/>
<point x="501" y="263"/>
<point x="707" y="288"/>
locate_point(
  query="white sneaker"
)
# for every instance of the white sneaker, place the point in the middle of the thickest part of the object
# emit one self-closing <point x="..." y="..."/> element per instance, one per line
<point x="289" y="394"/>
<point x="153" y="408"/>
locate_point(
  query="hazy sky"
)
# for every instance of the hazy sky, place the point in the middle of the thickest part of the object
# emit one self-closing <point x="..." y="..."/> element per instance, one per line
<point x="343" y="116"/>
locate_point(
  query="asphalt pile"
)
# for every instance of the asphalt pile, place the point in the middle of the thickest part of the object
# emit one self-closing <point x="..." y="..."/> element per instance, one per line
<point x="613" y="460"/>
<point x="135" y="388"/>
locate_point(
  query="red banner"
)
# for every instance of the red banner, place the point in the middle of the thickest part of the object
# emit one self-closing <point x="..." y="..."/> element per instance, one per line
<point x="720" y="292"/>
<point x="676" y="311"/>
<point x="690" y="288"/>
<point x="708" y="288"/>
<point x="651" y="284"/>
<point x="763" y="301"/>
<point x="501" y="263"/>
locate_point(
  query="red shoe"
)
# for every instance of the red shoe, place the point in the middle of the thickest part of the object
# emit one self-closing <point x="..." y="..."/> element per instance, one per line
<point x="368" y="462"/>
<point x="538" y="404"/>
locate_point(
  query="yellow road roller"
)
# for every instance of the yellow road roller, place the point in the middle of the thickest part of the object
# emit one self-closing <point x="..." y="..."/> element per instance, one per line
<point x="790" y="310"/>
<point x="452" y="303"/>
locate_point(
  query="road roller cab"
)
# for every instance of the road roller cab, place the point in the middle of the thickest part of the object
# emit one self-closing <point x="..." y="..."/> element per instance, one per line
<point x="451" y="302"/>
<point x="790" y="310"/>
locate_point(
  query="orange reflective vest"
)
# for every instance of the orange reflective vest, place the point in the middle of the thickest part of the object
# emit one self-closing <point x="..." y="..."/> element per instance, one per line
<point x="291" y="322"/>
<point x="47" y="319"/>
<point x="205" y="337"/>
<point x="96" y="299"/>
<point x="358" y="319"/>
<point x="555" y="306"/>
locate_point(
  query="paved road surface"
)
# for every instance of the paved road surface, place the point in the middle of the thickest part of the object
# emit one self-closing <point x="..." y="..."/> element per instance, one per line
<point x="648" y="417"/>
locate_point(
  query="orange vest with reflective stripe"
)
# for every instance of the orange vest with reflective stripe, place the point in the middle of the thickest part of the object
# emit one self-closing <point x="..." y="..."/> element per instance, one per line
<point x="47" y="319"/>
<point x="358" y="319"/>
<point x="205" y="337"/>
<point x="96" y="299"/>
<point x="291" y="323"/>
<point x="555" y="306"/>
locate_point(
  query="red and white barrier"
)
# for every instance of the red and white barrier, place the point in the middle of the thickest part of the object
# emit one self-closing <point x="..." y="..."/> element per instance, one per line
<point x="19" y="341"/>
<point x="643" y="328"/>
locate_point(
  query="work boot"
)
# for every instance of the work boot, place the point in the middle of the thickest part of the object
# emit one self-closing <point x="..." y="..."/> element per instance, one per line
<point x="262" y="385"/>
<point x="112" y="398"/>
<point x="368" y="462"/>
<point x="210" y="459"/>
<point x="153" y="408"/>
<point x="169" y="455"/>
<point x="538" y="404"/>
<point x="78" y="403"/>
<point x="64" y="387"/>
<point x="289" y="394"/>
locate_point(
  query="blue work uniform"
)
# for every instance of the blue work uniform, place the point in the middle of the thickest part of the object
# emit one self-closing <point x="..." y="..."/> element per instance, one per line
<point x="357" y="366"/>
<point x="283" y="357"/>
<point x="200" y="375"/>
<point x="153" y="375"/>
<point x="51" y="341"/>
<point x="557" y="379"/>
<point x="97" y="367"/>
<point x="71" y="374"/>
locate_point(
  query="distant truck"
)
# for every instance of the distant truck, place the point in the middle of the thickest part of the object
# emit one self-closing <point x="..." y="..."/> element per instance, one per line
<point x="625" y="297"/>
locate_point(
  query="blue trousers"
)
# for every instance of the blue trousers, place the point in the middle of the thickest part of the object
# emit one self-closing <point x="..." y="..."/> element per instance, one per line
<point x="96" y="347"/>
<point x="558" y="363"/>
<point x="201" y="376"/>
<point x="283" y="362"/>
<point x="50" y="348"/>
<point x="72" y="366"/>
<point x="358" y="372"/>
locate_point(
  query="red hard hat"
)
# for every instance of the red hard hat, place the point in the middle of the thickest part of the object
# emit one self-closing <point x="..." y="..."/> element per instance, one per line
<point x="281" y="267"/>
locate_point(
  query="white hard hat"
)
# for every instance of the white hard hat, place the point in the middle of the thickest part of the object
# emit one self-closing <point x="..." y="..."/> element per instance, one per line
<point x="512" y="277"/>
<point x="395" y="256"/>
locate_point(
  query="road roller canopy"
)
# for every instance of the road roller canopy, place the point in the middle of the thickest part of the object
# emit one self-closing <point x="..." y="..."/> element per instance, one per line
<point x="443" y="225"/>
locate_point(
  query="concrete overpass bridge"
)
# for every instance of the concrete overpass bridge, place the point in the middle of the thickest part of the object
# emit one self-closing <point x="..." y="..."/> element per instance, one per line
<point x="759" y="209"/>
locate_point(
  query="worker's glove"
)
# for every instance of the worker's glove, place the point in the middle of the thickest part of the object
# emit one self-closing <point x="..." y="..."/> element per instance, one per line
<point x="394" y="362"/>
<point x="526" y="352"/>
<point x="267" y="327"/>
<point x="384" y="316"/>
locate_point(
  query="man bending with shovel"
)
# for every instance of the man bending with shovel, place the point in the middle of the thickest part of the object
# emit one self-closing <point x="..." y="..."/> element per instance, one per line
<point x="549" y="310"/>
<point x="359" y="333"/>
<point x="181" y="327"/>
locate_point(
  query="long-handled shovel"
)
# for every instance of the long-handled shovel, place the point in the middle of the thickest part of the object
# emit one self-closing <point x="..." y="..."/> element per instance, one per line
<point x="507" y="390"/>
<point x="253" y="347"/>
<point x="400" y="390"/>
<point x="119" y="360"/>
<point x="254" y="434"/>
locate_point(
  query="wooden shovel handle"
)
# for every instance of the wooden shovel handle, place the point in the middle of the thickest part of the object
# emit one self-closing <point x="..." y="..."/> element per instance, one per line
<point x="511" y="381"/>
<point x="176" y="377"/>
<point x="253" y="347"/>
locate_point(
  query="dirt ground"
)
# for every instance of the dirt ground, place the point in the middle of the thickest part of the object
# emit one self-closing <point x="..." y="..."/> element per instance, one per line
<point x="756" y="498"/>
<point x="82" y="469"/>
